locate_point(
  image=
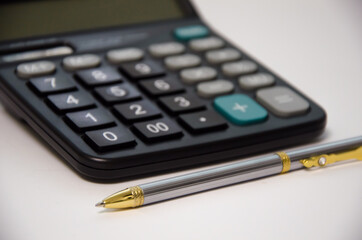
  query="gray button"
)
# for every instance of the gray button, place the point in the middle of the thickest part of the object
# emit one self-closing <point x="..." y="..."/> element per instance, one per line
<point x="182" y="61"/>
<point x="282" y="101"/>
<point x="214" y="88"/>
<point x="32" y="69"/>
<point x="256" y="80"/>
<point x="72" y="63"/>
<point x="204" y="44"/>
<point x="238" y="68"/>
<point x="166" y="49"/>
<point x="199" y="74"/>
<point x="125" y="55"/>
<point x="222" y="55"/>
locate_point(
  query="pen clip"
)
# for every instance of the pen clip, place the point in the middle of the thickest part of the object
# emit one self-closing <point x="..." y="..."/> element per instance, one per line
<point x="326" y="159"/>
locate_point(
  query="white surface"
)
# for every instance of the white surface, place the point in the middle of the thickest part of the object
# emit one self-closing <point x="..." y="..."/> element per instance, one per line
<point x="317" y="46"/>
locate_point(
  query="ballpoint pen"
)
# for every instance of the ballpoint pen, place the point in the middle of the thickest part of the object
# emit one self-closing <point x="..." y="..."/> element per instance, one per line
<point x="276" y="163"/>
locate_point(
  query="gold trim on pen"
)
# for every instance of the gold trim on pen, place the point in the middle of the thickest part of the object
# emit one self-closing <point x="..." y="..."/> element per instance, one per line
<point x="285" y="161"/>
<point x="128" y="198"/>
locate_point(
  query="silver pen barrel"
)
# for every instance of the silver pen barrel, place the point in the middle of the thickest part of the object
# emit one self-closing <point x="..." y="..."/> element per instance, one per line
<point x="277" y="163"/>
<point x="238" y="172"/>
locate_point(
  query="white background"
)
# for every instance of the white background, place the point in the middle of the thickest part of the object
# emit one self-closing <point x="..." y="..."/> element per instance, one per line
<point x="317" y="46"/>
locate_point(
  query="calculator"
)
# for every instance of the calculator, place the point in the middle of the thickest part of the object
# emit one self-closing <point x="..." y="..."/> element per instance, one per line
<point x="121" y="89"/>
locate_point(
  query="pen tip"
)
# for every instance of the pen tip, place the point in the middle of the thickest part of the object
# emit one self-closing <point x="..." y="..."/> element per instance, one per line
<point x="100" y="204"/>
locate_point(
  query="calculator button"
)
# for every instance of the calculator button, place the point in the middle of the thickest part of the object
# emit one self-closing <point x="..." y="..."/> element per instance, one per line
<point x="70" y="101"/>
<point x="205" y="44"/>
<point x="160" y="129"/>
<point x="89" y="119"/>
<point x="117" y="56"/>
<point x="181" y="103"/>
<point x="139" y="110"/>
<point x="52" y="84"/>
<point x="199" y="74"/>
<point x="203" y="121"/>
<point x="162" y="86"/>
<point x="190" y="32"/>
<point x="110" y="138"/>
<point x="73" y="63"/>
<point x="214" y="88"/>
<point x="255" y="81"/>
<point x="282" y="101"/>
<point x="33" y="69"/>
<point x="98" y="76"/>
<point x="182" y="61"/>
<point x="222" y="55"/>
<point x="117" y="93"/>
<point x="240" y="109"/>
<point x="166" y="49"/>
<point x="140" y="70"/>
<point x="238" y="68"/>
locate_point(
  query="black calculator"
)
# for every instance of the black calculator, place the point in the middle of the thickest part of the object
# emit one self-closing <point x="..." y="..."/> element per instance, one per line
<point x="126" y="88"/>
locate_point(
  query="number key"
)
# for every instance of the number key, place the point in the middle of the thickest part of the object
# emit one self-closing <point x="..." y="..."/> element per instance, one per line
<point x="110" y="138"/>
<point x="135" y="111"/>
<point x="89" y="119"/>
<point x="181" y="103"/>
<point x="160" y="87"/>
<point x="52" y="84"/>
<point x="160" y="129"/>
<point x="117" y="93"/>
<point x="70" y="101"/>
<point x="140" y="70"/>
<point x="97" y="76"/>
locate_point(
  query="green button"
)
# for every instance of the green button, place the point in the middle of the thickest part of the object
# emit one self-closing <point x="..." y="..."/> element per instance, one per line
<point x="190" y="32"/>
<point x="240" y="109"/>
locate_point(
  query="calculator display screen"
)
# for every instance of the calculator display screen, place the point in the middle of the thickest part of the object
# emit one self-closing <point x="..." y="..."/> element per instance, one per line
<point x="21" y="19"/>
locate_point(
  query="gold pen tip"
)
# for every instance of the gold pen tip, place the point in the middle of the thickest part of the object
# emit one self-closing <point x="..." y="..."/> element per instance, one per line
<point x="100" y="204"/>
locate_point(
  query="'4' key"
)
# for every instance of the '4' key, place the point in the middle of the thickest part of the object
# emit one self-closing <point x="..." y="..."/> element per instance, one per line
<point x="70" y="101"/>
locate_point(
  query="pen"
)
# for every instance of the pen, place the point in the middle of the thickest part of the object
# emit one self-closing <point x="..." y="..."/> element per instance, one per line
<point x="276" y="163"/>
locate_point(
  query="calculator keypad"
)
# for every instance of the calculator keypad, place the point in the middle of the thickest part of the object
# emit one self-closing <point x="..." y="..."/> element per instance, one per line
<point x="196" y="85"/>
